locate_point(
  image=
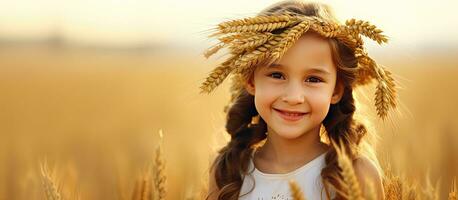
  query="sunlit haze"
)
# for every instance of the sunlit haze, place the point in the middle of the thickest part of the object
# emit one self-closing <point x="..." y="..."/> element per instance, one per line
<point x="115" y="22"/>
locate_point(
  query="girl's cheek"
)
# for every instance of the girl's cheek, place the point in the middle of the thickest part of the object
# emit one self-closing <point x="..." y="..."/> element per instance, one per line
<point x="266" y="94"/>
<point x="319" y="97"/>
<point x="266" y="86"/>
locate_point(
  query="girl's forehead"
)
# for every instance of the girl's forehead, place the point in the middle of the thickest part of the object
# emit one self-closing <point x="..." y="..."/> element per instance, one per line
<point x="309" y="51"/>
<point x="310" y="47"/>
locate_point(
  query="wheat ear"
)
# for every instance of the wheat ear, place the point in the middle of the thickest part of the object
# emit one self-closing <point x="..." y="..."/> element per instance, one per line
<point x="385" y="95"/>
<point x="296" y="191"/>
<point x="145" y="188"/>
<point x="218" y="75"/>
<point x="159" y="171"/>
<point x="236" y="36"/>
<point x="147" y="193"/>
<point x="453" y="192"/>
<point x="213" y="50"/>
<point x="350" y="181"/>
<point x="50" y="186"/>
<point x="392" y="185"/>
<point x="324" y="28"/>
<point x="249" y="43"/>
<point x="366" y="29"/>
<point x="365" y="70"/>
<point x="289" y="39"/>
<point x="350" y="39"/>
<point x="257" y="20"/>
<point x="256" y="24"/>
<point x="238" y="43"/>
<point x="244" y="65"/>
<point x="396" y="188"/>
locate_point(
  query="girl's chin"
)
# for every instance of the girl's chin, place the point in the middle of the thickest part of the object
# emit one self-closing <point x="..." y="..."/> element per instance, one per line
<point x="289" y="134"/>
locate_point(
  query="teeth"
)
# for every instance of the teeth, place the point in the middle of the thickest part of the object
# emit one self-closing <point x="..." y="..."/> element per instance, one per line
<point x="292" y="114"/>
<point x="289" y="113"/>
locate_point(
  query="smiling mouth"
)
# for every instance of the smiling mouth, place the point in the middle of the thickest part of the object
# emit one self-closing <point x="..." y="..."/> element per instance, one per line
<point x="290" y="116"/>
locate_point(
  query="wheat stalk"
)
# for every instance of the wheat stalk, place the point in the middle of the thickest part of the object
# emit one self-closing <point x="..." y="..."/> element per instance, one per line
<point x="50" y="186"/>
<point x="148" y="187"/>
<point x="409" y="192"/>
<point x="431" y="192"/>
<point x="296" y="191"/>
<point x="146" y="190"/>
<point x="159" y="171"/>
<point x="350" y="181"/>
<point x="137" y="191"/>
<point x="453" y="192"/>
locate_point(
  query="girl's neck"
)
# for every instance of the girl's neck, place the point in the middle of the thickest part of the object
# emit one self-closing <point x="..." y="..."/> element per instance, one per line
<point x="292" y="152"/>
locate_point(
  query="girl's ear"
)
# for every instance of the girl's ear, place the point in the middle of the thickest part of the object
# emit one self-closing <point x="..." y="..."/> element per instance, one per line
<point x="249" y="87"/>
<point x="338" y="93"/>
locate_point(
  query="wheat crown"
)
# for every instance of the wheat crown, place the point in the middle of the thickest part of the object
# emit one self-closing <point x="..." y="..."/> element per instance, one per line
<point x="254" y="40"/>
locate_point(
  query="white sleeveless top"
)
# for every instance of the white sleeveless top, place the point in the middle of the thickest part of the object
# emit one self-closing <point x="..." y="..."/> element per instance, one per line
<point x="276" y="186"/>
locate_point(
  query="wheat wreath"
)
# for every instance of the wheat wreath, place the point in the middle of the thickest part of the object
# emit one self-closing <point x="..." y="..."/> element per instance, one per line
<point x="254" y="40"/>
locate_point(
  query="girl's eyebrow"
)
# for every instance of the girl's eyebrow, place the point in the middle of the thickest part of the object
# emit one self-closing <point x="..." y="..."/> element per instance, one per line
<point x="313" y="69"/>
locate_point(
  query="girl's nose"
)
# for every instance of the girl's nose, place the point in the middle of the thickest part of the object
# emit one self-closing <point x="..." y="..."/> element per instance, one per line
<point x="294" y="94"/>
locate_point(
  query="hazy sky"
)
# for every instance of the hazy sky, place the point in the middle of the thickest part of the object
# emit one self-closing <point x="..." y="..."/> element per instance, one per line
<point x="123" y="22"/>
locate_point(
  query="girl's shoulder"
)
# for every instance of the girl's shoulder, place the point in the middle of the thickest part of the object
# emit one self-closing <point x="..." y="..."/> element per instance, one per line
<point x="364" y="165"/>
<point x="367" y="174"/>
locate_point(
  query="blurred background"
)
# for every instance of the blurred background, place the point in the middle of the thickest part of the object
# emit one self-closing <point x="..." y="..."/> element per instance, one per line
<point x="87" y="85"/>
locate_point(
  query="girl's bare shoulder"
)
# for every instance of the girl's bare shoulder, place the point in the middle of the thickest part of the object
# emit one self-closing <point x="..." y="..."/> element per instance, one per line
<point x="368" y="174"/>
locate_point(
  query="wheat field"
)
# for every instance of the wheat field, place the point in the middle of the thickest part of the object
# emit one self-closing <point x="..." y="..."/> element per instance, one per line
<point x="88" y="119"/>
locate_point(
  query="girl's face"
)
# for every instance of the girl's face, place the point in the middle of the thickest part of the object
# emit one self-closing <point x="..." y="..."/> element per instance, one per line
<point x="293" y="95"/>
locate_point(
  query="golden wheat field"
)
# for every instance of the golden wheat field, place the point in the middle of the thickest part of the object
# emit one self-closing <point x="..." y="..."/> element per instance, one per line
<point x="93" y="115"/>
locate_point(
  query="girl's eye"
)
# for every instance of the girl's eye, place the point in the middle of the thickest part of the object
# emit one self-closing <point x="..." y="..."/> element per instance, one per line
<point x="275" y="75"/>
<point x="314" y="80"/>
<point x="278" y="75"/>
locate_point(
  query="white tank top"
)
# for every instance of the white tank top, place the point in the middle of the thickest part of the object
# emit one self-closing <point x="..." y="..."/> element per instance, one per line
<point x="275" y="186"/>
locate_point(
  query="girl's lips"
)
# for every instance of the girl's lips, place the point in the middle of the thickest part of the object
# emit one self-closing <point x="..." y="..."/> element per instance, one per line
<point x="290" y="116"/>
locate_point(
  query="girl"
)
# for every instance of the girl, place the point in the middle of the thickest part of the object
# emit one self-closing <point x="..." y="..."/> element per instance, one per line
<point x="294" y="68"/>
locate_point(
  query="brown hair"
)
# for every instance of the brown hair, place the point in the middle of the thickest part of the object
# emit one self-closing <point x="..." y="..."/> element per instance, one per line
<point x="232" y="161"/>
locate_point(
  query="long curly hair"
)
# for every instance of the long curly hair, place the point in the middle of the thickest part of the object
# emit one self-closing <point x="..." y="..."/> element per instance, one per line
<point x="231" y="163"/>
